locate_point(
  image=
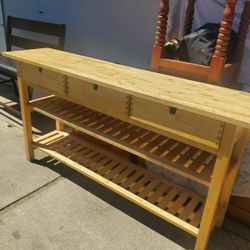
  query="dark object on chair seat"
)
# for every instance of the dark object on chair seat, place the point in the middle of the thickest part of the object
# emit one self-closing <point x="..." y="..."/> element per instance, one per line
<point x="220" y="71"/>
<point x="25" y="40"/>
<point x="199" y="46"/>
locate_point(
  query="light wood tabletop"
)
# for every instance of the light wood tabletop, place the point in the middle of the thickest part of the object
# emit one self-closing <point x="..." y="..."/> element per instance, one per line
<point x="211" y="101"/>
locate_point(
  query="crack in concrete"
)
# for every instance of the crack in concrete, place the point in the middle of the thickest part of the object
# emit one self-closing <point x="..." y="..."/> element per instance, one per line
<point x="30" y="195"/>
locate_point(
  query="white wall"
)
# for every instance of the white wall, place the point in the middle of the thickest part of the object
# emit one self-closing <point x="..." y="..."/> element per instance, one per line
<point x="116" y="30"/>
<point x="2" y="32"/>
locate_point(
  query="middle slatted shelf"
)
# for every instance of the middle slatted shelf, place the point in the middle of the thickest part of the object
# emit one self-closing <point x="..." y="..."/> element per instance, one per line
<point x="177" y="157"/>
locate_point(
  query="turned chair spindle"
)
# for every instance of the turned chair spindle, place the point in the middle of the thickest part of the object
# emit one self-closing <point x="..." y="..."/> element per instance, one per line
<point x="189" y="17"/>
<point x="219" y="58"/>
<point x="161" y="31"/>
<point x="219" y="71"/>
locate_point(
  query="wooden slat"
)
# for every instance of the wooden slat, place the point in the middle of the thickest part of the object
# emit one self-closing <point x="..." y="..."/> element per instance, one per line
<point x="149" y="189"/>
<point x="9" y="108"/>
<point x="157" y="139"/>
<point x="187" y="155"/>
<point x="197" y="217"/>
<point x="189" y="208"/>
<point x="154" y="198"/>
<point x="179" y="203"/>
<point x="51" y="29"/>
<point x="123" y="175"/>
<point x="199" y="161"/>
<point x="132" y="180"/>
<point x="36" y="26"/>
<point x="113" y="174"/>
<point x="185" y="66"/>
<point x="108" y="168"/>
<point x="137" y="184"/>
<point x="146" y="144"/>
<point x="26" y="43"/>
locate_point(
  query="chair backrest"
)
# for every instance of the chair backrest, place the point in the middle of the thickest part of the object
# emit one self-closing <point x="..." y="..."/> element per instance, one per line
<point x="19" y="28"/>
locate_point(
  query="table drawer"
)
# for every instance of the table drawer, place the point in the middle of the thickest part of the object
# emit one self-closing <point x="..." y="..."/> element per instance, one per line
<point x="102" y="99"/>
<point x="42" y="78"/>
<point x="96" y="97"/>
<point x="176" y="123"/>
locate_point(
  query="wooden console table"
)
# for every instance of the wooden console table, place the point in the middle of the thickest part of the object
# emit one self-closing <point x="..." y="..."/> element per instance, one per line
<point x="192" y="129"/>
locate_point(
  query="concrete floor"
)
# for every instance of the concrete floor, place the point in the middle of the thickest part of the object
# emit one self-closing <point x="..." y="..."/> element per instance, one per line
<point x="45" y="205"/>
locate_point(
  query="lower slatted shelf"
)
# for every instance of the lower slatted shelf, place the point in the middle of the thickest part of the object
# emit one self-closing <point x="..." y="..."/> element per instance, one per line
<point x="172" y="202"/>
<point x="177" y="157"/>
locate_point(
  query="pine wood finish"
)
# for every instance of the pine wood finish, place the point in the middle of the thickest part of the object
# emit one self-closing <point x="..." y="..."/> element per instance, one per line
<point x="149" y="115"/>
<point x="218" y="103"/>
<point x="219" y="72"/>
<point x="141" y="186"/>
<point x="26" y="117"/>
<point x="177" y="157"/>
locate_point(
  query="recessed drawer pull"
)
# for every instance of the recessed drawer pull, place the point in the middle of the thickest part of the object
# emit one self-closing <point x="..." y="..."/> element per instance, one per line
<point x="177" y="123"/>
<point x="95" y="86"/>
<point x="172" y="110"/>
<point x="40" y="70"/>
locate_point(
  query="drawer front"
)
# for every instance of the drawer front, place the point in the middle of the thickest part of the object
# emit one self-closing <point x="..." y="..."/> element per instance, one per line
<point x="95" y="97"/>
<point x="178" y="124"/>
<point x="44" y="79"/>
<point x="102" y="99"/>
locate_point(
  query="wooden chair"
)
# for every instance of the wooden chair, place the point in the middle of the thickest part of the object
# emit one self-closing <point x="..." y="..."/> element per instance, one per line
<point x="219" y="71"/>
<point x="14" y="39"/>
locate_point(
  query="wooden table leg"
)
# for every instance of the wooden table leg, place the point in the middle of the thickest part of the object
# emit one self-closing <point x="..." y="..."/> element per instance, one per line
<point x="215" y="189"/>
<point x="59" y="125"/>
<point x="26" y="117"/>
<point x="238" y="153"/>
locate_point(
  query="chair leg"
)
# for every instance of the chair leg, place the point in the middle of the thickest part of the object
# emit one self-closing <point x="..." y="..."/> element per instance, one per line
<point x="242" y="33"/>
<point x="15" y="87"/>
<point x="220" y="54"/>
<point x="189" y="17"/>
<point x="160" y="37"/>
<point x="30" y="93"/>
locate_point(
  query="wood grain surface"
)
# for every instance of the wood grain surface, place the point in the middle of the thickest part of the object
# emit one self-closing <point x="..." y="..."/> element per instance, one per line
<point x="211" y="101"/>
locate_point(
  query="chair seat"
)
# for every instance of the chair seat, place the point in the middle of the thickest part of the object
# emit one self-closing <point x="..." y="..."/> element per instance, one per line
<point x="7" y="68"/>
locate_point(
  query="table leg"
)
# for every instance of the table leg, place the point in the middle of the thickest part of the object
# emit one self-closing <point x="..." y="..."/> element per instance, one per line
<point x="59" y="125"/>
<point x="216" y="185"/>
<point x="238" y="153"/>
<point x="26" y="117"/>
